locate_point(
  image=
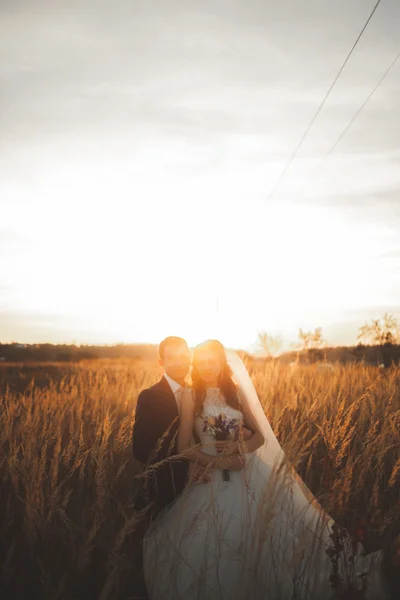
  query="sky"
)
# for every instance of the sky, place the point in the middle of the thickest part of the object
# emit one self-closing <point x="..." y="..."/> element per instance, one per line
<point x="140" y="147"/>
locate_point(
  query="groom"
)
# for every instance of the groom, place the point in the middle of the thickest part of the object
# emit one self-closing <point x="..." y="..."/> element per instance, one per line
<point x="155" y="433"/>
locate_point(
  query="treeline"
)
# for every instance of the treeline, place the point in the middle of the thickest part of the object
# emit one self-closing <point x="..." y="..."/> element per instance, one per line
<point x="384" y="354"/>
<point x="72" y="353"/>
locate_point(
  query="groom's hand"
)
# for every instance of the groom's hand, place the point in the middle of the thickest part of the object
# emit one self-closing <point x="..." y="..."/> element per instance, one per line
<point x="198" y="473"/>
<point x="247" y="433"/>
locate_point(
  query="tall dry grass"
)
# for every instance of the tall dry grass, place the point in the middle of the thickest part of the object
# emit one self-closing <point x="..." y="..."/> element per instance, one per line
<point x="67" y="525"/>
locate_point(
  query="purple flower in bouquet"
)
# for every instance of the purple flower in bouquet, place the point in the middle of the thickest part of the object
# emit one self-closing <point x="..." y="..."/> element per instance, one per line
<point x="223" y="429"/>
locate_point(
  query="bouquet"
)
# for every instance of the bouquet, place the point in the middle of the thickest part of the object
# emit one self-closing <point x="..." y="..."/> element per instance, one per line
<point x="223" y="429"/>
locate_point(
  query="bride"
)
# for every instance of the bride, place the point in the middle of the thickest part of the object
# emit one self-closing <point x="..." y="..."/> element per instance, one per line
<point x="254" y="530"/>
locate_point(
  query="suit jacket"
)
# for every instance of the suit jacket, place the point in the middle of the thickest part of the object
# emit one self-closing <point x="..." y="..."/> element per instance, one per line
<point x="155" y="433"/>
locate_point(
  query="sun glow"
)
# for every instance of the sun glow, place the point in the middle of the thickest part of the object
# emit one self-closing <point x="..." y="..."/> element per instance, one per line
<point x="184" y="254"/>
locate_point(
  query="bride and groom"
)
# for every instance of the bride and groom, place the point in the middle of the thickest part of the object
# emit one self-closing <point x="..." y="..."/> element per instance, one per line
<point x="227" y="516"/>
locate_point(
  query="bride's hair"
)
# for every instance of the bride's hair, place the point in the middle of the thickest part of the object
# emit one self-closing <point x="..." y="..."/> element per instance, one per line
<point x="228" y="387"/>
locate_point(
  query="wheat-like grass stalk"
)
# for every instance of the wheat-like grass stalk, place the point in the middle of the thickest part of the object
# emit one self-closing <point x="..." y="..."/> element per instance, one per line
<point x="67" y="524"/>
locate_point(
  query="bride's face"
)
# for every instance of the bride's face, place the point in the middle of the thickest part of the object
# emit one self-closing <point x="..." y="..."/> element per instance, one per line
<point x="208" y="366"/>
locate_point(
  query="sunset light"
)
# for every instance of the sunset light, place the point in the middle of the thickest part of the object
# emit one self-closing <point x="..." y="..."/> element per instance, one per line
<point x="135" y="202"/>
<point x="199" y="299"/>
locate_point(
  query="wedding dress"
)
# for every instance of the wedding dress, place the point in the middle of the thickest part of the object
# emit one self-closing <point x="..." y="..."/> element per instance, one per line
<point x="260" y="535"/>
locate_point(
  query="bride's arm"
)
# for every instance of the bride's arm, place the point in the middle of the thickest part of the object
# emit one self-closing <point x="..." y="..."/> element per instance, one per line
<point x="185" y="433"/>
<point x="246" y="444"/>
<point x="257" y="439"/>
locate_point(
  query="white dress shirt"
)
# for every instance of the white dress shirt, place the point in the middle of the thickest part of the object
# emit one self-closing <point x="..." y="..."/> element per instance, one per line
<point x="176" y="388"/>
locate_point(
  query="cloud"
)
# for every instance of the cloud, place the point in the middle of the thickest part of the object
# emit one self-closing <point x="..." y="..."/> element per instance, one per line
<point x="391" y="254"/>
<point x="118" y="104"/>
<point x="105" y="63"/>
<point x="12" y="240"/>
<point x="31" y="327"/>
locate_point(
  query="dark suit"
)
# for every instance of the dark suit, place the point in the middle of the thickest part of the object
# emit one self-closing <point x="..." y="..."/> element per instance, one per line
<point x="155" y="433"/>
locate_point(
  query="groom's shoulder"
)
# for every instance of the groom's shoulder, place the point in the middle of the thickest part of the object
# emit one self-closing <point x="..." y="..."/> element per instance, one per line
<point x="151" y="392"/>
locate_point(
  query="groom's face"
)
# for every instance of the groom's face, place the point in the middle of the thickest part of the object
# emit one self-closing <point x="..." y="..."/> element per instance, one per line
<point x="176" y="361"/>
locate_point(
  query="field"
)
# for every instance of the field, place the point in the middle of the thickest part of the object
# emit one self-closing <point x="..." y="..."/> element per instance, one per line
<point x="67" y="526"/>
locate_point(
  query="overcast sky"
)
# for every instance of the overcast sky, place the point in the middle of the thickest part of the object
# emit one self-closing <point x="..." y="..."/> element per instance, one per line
<point x="139" y="144"/>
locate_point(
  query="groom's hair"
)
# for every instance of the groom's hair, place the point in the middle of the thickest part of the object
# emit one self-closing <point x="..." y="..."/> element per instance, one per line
<point x="171" y="341"/>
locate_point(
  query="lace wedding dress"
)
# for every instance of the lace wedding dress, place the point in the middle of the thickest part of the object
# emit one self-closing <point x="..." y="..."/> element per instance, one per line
<point x="259" y="535"/>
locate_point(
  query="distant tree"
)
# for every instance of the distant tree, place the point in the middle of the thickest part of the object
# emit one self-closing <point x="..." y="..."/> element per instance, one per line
<point x="269" y="344"/>
<point x="381" y="332"/>
<point x="313" y="342"/>
<point x="311" y="339"/>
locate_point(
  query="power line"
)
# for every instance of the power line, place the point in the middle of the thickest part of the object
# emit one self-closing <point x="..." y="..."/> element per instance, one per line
<point x="294" y="154"/>
<point x="346" y="129"/>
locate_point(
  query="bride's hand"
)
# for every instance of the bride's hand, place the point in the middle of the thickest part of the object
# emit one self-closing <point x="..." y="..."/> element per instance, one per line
<point x="231" y="463"/>
<point x="227" y="448"/>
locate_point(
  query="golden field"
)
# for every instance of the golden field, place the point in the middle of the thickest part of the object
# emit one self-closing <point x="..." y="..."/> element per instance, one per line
<point x="67" y="474"/>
